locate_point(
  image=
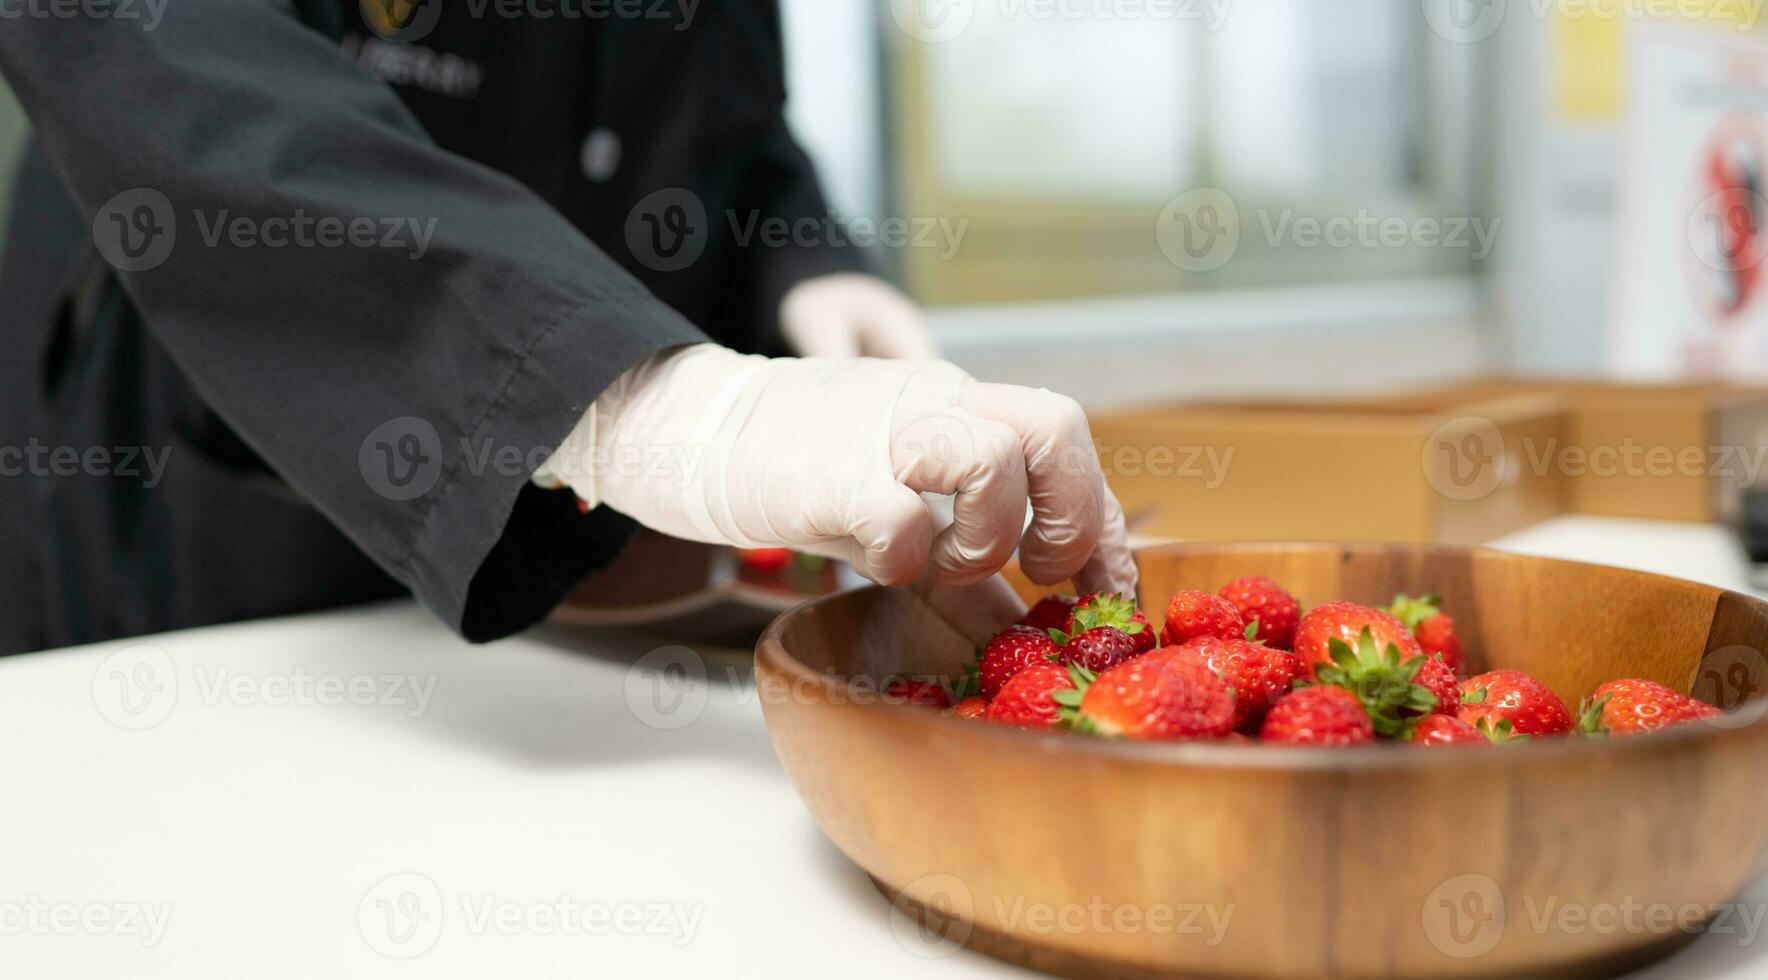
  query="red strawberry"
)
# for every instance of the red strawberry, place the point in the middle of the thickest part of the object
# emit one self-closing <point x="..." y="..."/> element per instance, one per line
<point x="1050" y="613"/>
<point x="1258" y="674"/>
<point x="971" y="708"/>
<point x="1383" y="680"/>
<point x="1157" y="696"/>
<point x="1011" y="651"/>
<point x="1027" y="701"/>
<point x="1108" y="609"/>
<point x="1436" y="677"/>
<point x="1344" y="621"/>
<point x="1263" y="601"/>
<point x="917" y="690"/>
<point x="1100" y="648"/>
<point x="1434" y="629"/>
<point x="1433" y="730"/>
<point x="1321" y="715"/>
<point x="1191" y="614"/>
<point x="1506" y="704"/>
<point x="1631" y="706"/>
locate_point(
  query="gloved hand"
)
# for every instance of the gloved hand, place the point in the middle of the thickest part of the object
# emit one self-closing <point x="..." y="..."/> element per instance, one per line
<point x="852" y="315"/>
<point x="830" y="457"/>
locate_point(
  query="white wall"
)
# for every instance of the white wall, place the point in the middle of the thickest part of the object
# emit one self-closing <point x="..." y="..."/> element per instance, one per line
<point x="833" y="97"/>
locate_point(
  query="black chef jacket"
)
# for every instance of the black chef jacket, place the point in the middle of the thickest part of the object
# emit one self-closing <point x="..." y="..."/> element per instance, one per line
<point x="269" y="417"/>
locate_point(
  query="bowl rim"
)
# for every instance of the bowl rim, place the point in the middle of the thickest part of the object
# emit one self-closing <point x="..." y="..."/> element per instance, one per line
<point x="1379" y="757"/>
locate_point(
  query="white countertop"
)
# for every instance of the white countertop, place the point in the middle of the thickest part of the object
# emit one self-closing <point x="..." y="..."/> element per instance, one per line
<point x="360" y="794"/>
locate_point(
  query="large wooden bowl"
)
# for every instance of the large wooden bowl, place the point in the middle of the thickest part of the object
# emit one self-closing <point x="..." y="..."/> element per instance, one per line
<point x="1088" y="857"/>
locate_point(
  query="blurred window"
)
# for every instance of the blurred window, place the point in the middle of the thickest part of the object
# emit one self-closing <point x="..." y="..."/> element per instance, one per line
<point x="1061" y="130"/>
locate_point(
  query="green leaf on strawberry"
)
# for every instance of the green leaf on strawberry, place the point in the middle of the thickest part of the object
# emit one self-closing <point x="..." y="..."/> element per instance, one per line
<point x="1413" y="610"/>
<point x="1383" y="684"/>
<point x="1106" y="609"/>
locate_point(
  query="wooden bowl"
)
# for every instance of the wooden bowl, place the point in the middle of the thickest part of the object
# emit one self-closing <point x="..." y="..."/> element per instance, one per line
<point x="1087" y="857"/>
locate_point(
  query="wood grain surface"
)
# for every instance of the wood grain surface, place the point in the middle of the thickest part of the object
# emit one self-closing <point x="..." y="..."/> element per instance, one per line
<point x="1087" y="857"/>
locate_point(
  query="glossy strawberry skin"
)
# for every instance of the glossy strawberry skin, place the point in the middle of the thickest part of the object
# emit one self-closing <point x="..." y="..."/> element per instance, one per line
<point x="1320" y="715"/>
<point x="1110" y="609"/>
<point x="1011" y="651"/>
<point x="1160" y="695"/>
<point x="1277" y="612"/>
<point x="1025" y="701"/>
<point x="910" y="690"/>
<point x="971" y="708"/>
<point x="1438" y="730"/>
<point x="1511" y="695"/>
<point x="1345" y="621"/>
<point x="1437" y="677"/>
<point x="1100" y="649"/>
<point x="1049" y="613"/>
<point x="1191" y="614"/>
<point x="1437" y="635"/>
<point x="1631" y="706"/>
<point x="1259" y="674"/>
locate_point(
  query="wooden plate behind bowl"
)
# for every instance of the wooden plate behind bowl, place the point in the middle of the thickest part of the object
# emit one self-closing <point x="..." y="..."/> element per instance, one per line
<point x="1382" y="861"/>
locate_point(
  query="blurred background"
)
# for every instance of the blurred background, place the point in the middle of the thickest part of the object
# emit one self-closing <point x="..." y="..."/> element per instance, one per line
<point x="1420" y="189"/>
<point x="1131" y="200"/>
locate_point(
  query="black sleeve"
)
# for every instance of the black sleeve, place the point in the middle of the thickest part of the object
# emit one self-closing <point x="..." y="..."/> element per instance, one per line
<point x="782" y="183"/>
<point x="449" y="313"/>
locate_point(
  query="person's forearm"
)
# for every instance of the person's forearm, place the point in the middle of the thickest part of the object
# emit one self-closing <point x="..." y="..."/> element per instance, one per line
<point x="322" y="270"/>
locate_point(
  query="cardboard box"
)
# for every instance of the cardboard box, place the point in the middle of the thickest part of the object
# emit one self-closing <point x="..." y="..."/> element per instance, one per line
<point x="1342" y="471"/>
<point x="1682" y="452"/>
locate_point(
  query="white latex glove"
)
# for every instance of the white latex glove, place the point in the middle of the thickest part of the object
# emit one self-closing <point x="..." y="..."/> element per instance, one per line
<point x="829" y="457"/>
<point x="852" y="315"/>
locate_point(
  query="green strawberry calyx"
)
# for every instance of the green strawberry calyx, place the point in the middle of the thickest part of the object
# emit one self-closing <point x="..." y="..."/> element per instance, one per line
<point x="1500" y="732"/>
<point x="1380" y="681"/>
<point x="1413" y="610"/>
<point x="1105" y="609"/>
<point x="1252" y="631"/>
<point x="969" y="683"/>
<point x="1068" y="700"/>
<point x="1590" y="716"/>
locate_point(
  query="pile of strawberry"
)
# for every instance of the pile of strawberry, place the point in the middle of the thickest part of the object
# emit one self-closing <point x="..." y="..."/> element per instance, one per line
<point x="1247" y="664"/>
